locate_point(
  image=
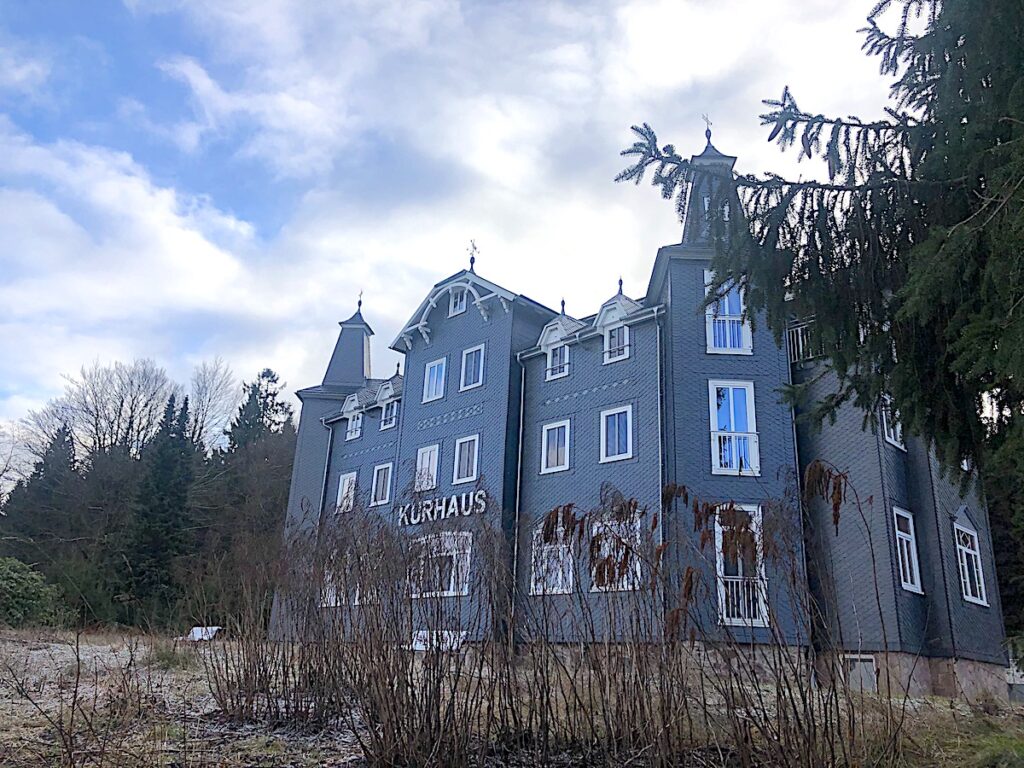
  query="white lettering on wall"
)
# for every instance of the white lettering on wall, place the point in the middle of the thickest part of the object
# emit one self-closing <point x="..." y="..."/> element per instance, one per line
<point x="431" y="510"/>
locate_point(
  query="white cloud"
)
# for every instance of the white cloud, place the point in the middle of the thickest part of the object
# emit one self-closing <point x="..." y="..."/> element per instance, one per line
<point x="22" y="71"/>
<point x="521" y="108"/>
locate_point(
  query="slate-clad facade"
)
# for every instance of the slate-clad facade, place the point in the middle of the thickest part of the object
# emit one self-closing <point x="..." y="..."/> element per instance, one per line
<point x="508" y="410"/>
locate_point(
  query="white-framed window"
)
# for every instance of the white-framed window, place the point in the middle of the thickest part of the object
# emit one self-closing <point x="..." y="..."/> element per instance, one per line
<point x="456" y="301"/>
<point x="346" y="501"/>
<point x="467" y="451"/>
<point x="444" y="640"/>
<point x="426" y="468"/>
<point x="381" y="492"/>
<point x="615" y="555"/>
<point x="617" y="434"/>
<point x="616" y="343"/>
<point x="389" y="414"/>
<point x="734" y="444"/>
<point x="968" y="556"/>
<point x="355" y="426"/>
<point x="552" y="563"/>
<point x="440" y="564"/>
<point x="433" y="380"/>
<point x="472" y="368"/>
<point x="727" y="331"/>
<point x="554" y="447"/>
<point x="558" y="362"/>
<point x="906" y="550"/>
<point x="330" y="595"/>
<point x="892" y="429"/>
<point x="739" y="555"/>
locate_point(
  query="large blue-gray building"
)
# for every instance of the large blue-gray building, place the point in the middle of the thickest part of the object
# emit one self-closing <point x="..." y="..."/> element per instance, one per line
<point x="639" y="419"/>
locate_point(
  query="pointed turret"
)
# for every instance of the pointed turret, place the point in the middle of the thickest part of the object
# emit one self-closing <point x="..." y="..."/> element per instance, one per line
<point x="707" y="165"/>
<point x="350" y="363"/>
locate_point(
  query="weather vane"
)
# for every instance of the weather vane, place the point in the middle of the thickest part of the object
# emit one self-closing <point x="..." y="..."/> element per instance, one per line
<point x="472" y="251"/>
<point x="360" y="304"/>
<point x="707" y="122"/>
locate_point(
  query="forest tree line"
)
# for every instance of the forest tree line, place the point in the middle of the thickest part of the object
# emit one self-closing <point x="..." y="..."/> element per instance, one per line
<point x="141" y="499"/>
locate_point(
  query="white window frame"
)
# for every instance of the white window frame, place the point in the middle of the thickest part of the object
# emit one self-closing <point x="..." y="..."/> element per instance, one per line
<point x="631" y="580"/>
<point x="628" y="410"/>
<point x="475" y="439"/>
<point x="626" y="343"/>
<point x="754" y="447"/>
<point x="385" y="421"/>
<point x="374" y="501"/>
<point x="746" y="340"/>
<point x="443" y="362"/>
<point x="346" y="502"/>
<point x="760" y="579"/>
<point x="964" y="556"/>
<point x="354" y="428"/>
<point x="548" y="375"/>
<point x="463" y="386"/>
<point x="892" y="428"/>
<point x="543" y="555"/>
<point x="422" y="482"/>
<point x="544" y="469"/>
<point x="910" y="546"/>
<point x="454" y="307"/>
<point x="459" y="546"/>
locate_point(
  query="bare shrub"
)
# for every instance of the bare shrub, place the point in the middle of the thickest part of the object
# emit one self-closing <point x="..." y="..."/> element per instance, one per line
<point x="638" y="671"/>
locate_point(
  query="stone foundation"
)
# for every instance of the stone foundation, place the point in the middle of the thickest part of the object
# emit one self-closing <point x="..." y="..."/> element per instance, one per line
<point x="903" y="674"/>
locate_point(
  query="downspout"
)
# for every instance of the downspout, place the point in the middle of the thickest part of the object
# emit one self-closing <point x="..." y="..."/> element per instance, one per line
<point x="519" y="491"/>
<point x="661" y="453"/>
<point x="327" y="465"/>
<point x="939" y="530"/>
<point x="800" y="497"/>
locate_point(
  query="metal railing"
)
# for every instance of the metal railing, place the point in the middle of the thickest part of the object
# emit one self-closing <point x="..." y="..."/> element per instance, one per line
<point x="727" y="332"/>
<point x="742" y="599"/>
<point x="799" y="342"/>
<point x="735" y="453"/>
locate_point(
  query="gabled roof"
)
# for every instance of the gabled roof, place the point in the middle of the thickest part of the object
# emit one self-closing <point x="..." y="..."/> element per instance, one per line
<point x="616" y="308"/>
<point x="558" y="329"/>
<point x="483" y="295"/>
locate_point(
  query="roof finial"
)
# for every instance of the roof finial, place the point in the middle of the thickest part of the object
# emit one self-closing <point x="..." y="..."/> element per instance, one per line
<point x="359" y="304"/>
<point x="473" y="251"/>
<point x="563" y="306"/>
<point x="620" y="286"/>
<point x="398" y="369"/>
<point x="707" y="131"/>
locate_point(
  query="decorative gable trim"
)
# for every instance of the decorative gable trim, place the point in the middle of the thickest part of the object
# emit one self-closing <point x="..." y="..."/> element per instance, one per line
<point x="481" y="293"/>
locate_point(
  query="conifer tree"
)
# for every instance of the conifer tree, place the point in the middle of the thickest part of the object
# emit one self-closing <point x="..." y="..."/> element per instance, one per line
<point x="159" y="536"/>
<point x="262" y="411"/>
<point x="909" y="256"/>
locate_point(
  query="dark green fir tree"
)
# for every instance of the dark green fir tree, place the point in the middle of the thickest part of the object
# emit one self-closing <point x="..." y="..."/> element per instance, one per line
<point x="262" y="411"/>
<point x="160" y="536"/>
<point x="909" y="252"/>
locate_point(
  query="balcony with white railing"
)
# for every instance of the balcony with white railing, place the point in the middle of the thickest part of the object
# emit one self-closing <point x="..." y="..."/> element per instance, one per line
<point x="798" y="336"/>
<point x="728" y="334"/>
<point x="742" y="601"/>
<point x="735" y="453"/>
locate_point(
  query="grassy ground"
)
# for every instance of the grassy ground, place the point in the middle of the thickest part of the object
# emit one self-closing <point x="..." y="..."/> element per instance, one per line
<point x="132" y="701"/>
<point x="116" y="700"/>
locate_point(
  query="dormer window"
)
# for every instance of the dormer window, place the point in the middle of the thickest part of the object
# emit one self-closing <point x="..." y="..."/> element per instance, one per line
<point x="558" y="362"/>
<point x="616" y="343"/>
<point x="456" y="302"/>
<point x="389" y="414"/>
<point x="355" y="426"/>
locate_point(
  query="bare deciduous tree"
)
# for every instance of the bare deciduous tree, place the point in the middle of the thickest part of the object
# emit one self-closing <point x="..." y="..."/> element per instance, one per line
<point x="105" y="407"/>
<point x="214" y="397"/>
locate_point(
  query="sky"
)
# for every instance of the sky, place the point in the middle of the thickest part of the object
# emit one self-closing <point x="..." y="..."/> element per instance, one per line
<point x="185" y="179"/>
